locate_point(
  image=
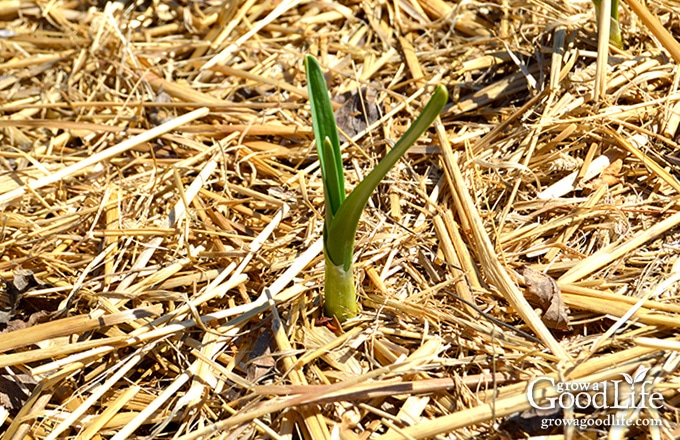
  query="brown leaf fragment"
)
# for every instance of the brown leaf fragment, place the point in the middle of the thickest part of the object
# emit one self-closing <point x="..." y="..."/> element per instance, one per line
<point x="557" y="316"/>
<point x="25" y="280"/>
<point x="25" y="311"/>
<point x="540" y="287"/>
<point x="15" y="390"/>
<point x="14" y="294"/>
<point x="6" y="315"/>
<point x="534" y="422"/>
<point x="41" y="316"/>
<point x="357" y="112"/>
<point x="261" y="363"/>
<point x="543" y="291"/>
<point x="12" y="325"/>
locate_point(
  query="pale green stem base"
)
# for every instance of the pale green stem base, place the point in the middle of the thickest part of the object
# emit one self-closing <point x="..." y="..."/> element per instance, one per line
<point x="614" y="31"/>
<point x="339" y="293"/>
<point x="615" y="34"/>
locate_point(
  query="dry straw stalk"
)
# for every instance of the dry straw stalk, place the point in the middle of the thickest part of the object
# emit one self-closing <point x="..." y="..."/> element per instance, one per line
<point x="162" y="215"/>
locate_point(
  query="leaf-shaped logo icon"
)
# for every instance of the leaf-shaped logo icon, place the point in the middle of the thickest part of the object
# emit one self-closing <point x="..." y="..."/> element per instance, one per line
<point x="628" y="378"/>
<point x="640" y="374"/>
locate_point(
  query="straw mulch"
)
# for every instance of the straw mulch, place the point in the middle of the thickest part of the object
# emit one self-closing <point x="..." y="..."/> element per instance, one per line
<point x="162" y="214"/>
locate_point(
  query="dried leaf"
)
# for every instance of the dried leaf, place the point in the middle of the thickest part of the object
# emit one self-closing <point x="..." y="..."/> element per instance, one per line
<point x="27" y="311"/>
<point x="13" y="391"/>
<point x="358" y="112"/>
<point x="543" y="291"/>
<point x="557" y="316"/>
<point x="533" y="422"/>
<point x="6" y="314"/>
<point x="260" y="360"/>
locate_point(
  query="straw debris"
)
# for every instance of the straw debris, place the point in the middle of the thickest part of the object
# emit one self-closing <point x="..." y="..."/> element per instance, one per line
<point x="161" y="213"/>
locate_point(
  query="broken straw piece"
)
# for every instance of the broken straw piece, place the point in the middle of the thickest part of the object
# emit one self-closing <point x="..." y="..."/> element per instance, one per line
<point x="566" y="184"/>
<point x="597" y="166"/>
